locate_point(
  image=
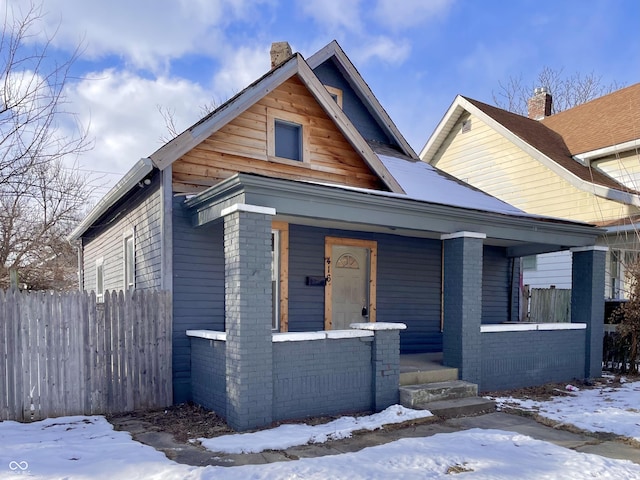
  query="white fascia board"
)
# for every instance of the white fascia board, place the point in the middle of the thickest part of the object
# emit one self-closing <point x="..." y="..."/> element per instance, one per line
<point x="589" y="187"/>
<point x="333" y="49"/>
<point x="130" y="180"/>
<point x="587" y="157"/>
<point x="442" y="130"/>
<point x="343" y="123"/>
<point x="190" y="138"/>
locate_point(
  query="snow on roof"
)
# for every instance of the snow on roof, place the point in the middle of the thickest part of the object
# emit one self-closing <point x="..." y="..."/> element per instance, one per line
<point x="422" y="181"/>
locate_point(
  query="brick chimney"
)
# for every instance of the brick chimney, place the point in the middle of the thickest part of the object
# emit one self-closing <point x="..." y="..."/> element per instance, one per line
<point x="539" y="106"/>
<point x="280" y="52"/>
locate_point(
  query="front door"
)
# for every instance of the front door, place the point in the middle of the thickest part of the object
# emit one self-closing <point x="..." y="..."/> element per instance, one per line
<point x="352" y="282"/>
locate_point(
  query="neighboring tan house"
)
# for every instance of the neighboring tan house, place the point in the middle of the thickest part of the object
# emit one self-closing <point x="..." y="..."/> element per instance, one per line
<point x="581" y="164"/>
<point x="305" y="246"/>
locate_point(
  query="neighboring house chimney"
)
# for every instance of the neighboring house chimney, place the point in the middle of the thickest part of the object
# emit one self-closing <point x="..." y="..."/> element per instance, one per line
<point x="280" y="51"/>
<point x="539" y="106"/>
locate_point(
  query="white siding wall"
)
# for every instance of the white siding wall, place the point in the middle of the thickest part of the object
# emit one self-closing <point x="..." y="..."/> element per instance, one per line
<point x="551" y="269"/>
<point x="487" y="160"/>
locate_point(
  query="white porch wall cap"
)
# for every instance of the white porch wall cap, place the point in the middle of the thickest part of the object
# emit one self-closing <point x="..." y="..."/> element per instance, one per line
<point x="528" y="327"/>
<point x="208" y="334"/>
<point x="594" y="248"/>
<point x="243" y="207"/>
<point x="349" y="333"/>
<point x="298" y="336"/>
<point x="449" y="236"/>
<point x="378" y="326"/>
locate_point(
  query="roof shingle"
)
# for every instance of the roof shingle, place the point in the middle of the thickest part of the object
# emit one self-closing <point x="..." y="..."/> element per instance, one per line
<point x="603" y="122"/>
<point x="548" y="142"/>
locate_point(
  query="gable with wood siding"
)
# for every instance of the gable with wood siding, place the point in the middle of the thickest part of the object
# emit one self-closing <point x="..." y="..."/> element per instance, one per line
<point x="242" y="146"/>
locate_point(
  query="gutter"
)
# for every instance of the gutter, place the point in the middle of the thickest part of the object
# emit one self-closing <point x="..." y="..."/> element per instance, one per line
<point x="138" y="172"/>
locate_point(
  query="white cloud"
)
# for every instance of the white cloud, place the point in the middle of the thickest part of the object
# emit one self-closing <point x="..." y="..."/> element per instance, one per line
<point x="335" y="15"/>
<point x="240" y="67"/>
<point x="397" y="14"/>
<point x="121" y="109"/>
<point x="384" y="49"/>
<point x="145" y="34"/>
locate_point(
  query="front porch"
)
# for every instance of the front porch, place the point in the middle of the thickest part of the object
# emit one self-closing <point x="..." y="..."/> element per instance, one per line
<point x="445" y="287"/>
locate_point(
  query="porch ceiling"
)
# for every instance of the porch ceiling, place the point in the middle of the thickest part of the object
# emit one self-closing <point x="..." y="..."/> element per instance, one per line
<point x="364" y="210"/>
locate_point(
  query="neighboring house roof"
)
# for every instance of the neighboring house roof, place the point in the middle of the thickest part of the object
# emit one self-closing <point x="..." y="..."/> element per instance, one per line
<point x="547" y="142"/>
<point x="537" y="140"/>
<point x="613" y="119"/>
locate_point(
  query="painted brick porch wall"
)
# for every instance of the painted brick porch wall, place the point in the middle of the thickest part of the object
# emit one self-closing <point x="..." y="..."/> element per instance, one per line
<point x="208" y="374"/>
<point x="519" y="359"/>
<point x="310" y="377"/>
<point x="322" y="377"/>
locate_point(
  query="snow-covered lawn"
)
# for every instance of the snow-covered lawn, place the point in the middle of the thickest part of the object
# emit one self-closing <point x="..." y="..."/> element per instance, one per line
<point x="286" y="436"/>
<point x="89" y="448"/>
<point x="599" y="409"/>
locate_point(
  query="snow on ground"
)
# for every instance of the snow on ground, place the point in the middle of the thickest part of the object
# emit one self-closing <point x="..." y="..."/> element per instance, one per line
<point x="286" y="436"/>
<point x="89" y="448"/>
<point x="600" y="409"/>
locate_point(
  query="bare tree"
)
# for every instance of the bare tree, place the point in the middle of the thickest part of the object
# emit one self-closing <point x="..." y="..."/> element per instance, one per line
<point x="629" y="314"/>
<point x="40" y="198"/>
<point x="568" y="91"/>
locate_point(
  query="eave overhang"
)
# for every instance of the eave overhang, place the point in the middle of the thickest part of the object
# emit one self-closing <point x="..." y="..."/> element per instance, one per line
<point x="135" y="175"/>
<point x="337" y="207"/>
<point x="460" y="105"/>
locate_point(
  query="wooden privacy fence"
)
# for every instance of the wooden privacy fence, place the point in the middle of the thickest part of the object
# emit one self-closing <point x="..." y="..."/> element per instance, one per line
<point x="66" y="354"/>
<point x="548" y="305"/>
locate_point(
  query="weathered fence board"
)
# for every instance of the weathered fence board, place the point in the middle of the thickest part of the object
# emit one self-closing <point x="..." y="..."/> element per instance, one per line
<point x="548" y="305"/>
<point x="66" y="354"/>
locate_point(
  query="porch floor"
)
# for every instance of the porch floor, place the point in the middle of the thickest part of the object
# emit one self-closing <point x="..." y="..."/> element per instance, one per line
<point x="419" y="368"/>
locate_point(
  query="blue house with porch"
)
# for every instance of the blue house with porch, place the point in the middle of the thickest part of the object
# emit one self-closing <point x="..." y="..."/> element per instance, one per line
<point x="306" y="247"/>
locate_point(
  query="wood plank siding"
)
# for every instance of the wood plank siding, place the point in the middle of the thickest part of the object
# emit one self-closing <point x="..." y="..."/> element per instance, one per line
<point x="241" y="146"/>
<point x="487" y="160"/>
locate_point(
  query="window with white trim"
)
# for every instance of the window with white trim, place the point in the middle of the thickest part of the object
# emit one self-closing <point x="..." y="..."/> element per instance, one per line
<point x="129" y="258"/>
<point x="530" y="262"/>
<point x="100" y="279"/>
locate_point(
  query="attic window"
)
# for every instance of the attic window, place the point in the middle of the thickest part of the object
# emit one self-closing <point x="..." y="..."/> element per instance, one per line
<point x="335" y="93"/>
<point x="287" y="139"/>
<point x="466" y="126"/>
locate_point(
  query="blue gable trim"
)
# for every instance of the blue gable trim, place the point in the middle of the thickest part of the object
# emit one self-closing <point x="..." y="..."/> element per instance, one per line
<point x="353" y="107"/>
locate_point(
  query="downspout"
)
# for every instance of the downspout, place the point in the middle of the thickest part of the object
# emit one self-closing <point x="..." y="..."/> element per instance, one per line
<point x="441" y="286"/>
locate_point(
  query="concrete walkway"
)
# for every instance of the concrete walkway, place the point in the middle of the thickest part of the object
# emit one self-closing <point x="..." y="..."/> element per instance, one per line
<point x="599" y="444"/>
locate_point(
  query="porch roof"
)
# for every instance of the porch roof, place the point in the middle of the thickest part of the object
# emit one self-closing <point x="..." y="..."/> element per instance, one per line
<point x="334" y="206"/>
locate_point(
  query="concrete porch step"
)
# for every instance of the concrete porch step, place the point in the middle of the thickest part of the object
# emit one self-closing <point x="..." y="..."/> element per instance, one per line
<point x="461" y="407"/>
<point x="418" y="377"/>
<point x="415" y="396"/>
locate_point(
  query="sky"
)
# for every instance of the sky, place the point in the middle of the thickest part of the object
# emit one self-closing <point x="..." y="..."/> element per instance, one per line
<point x="137" y="57"/>
<point x="89" y="448"/>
